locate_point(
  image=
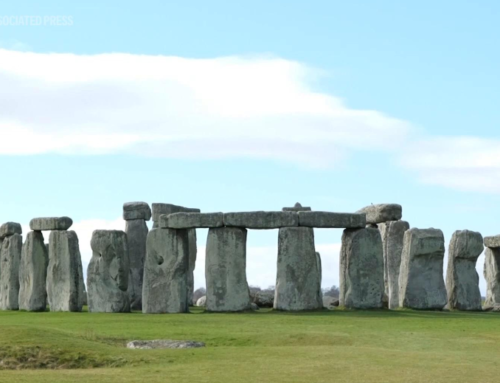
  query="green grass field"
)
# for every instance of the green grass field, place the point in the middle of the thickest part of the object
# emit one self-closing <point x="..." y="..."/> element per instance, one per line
<point x="265" y="346"/>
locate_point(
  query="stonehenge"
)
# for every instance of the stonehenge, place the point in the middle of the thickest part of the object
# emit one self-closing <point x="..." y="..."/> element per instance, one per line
<point x="135" y="215"/>
<point x="421" y="282"/>
<point x="108" y="272"/>
<point x="381" y="213"/>
<point x="10" y="256"/>
<point x="492" y="272"/>
<point x="462" y="280"/>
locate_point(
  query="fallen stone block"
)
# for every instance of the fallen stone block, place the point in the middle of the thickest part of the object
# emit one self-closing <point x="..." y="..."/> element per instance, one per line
<point x="382" y="212"/>
<point x="136" y="210"/>
<point x="10" y="257"/>
<point x="261" y="219"/>
<point x="191" y="220"/>
<point x="323" y="219"/>
<point x="10" y="228"/>
<point x="163" y="343"/>
<point x="51" y="223"/>
<point x="492" y="242"/>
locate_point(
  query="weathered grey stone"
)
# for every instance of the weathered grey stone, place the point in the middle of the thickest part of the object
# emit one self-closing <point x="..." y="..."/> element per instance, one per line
<point x="392" y="233"/>
<point x="421" y="283"/>
<point x="382" y="212"/>
<point x="330" y="302"/>
<point x="165" y="272"/>
<point x="163" y="343"/>
<point x="261" y="219"/>
<point x="64" y="276"/>
<point x="137" y="233"/>
<point x="51" y="223"/>
<point x="323" y="219"/>
<point x="192" y="249"/>
<point x="168" y="208"/>
<point x="492" y="242"/>
<point x="298" y="207"/>
<point x="298" y="281"/>
<point x="201" y="302"/>
<point x="462" y="280"/>
<point x="10" y="257"/>
<point x="263" y="298"/>
<point x="10" y="228"/>
<point x="136" y="210"/>
<point x="225" y="270"/>
<point x="361" y="269"/>
<point x="108" y="272"/>
<point x="33" y="273"/>
<point x="191" y="220"/>
<point x="492" y="276"/>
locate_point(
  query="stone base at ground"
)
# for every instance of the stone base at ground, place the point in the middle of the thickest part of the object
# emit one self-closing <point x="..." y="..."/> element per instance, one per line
<point x="163" y="343"/>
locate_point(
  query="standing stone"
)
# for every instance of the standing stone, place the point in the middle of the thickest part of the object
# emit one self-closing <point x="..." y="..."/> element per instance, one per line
<point x="361" y="269"/>
<point x="10" y="256"/>
<point x="137" y="233"/>
<point x="33" y="273"/>
<point x="392" y="233"/>
<point x="225" y="270"/>
<point x="421" y="283"/>
<point x="192" y="248"/>
<point x="166" y="272"/>
<point x="108" y="271"/>
<point x="492" y="272"/>
<point x="298" y="281"/>
<point x="462" y="280"/>
<point x="64" y="273"/>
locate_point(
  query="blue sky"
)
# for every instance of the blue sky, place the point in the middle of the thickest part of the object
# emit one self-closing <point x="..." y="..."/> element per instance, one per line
<point x="226" y="107"/>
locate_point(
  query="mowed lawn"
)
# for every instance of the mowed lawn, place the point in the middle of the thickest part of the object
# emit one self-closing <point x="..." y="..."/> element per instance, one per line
<point x="265" y="346"/>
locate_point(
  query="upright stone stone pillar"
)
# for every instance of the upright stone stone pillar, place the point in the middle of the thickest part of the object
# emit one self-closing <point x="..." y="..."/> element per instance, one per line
<point x="392" y="233"/>
<point x="361" y="269"/>
<point x="108" y="272"/>
<point x="193" y="249"/>
<point x="10" y="256"/>
<point x="166" y="272"/>
<point x="492" y="272"/>
<point x="298" y="281"/>
<point x="225" y="270"/>
<point x="64" y="272"/>
<point x="33" y="273"/>
<point x="136" y="214"/>
<point x="421" y="283"/>
<point x="462" y="280"/>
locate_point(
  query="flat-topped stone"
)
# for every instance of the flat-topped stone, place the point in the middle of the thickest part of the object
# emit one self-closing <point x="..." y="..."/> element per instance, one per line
<point x="492" y="242"/>
<point x="136" y="210"/>
<point x="324" y="219"/>
<point x="383" y="212"/>
<point x="10" y="228"/>
<point x="159" y="209"/>
<point x="297" y="207"/>
<point x="191" y="220"/>
<point x="51" y="223"/>
<point x="261" y="219"/>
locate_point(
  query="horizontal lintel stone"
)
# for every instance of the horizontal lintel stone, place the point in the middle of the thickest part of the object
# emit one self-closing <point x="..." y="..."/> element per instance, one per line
<point x="492" y="242"/>
<point x="191" y="220"/>
<point x="261" y="219"/>
<point x="51" y="223"/>
<point x="383" y="212"/>
<point x="168" y="208"/>
<point x="136" y="210"/>
<point x="324" y="219"/>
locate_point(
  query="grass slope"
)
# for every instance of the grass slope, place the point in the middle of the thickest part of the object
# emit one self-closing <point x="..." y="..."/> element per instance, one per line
<point x="333" y="346"/>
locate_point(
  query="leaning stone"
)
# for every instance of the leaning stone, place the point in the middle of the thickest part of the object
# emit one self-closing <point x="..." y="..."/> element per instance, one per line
<point x="298" y="281"/>
<point x="261" y="219"/>
<point x="10" y="257"/>
<point x="64" y="277"/>
<point x="462" y="280"/>
<point x="492" y="242"/>
<point x="225" y="270"/>
<point x="298" y="207"/>
<point x="201" y="302"/>
<point x="51" y="223"/>
<point x="108" y="272"/>
<point x="361" y="269"/>
<point x="161" y="343"/>
<point x="323" y="219"/>
<point x="136" y="210"/>
<point x="10" y="228"/>
<point x="33" y="273"/>
<point x="392" y="233"/>
<point x="492" y="276"/>
<point x="165" y="272"/>
<point x="382" y="212"/>
<point x="421" y="283"/>
<point x="193" y="250"/>
<point x="168" y="208"/>
<point x="191" y="220"/>
<point x="137" y="233"/>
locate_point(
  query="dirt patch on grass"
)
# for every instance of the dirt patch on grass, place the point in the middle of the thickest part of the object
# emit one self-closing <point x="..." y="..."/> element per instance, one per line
<point x="23" y="358"/>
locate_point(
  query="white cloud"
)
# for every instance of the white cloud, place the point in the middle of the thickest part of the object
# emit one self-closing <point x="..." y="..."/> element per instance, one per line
<point x="463" y="163"/>
<point x="256" y="107"/>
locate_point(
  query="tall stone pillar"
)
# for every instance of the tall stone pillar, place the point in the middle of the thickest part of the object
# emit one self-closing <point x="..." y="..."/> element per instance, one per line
<point x="10" y="256"/>
<point x="136" y="214"/>
<point x="492" y="272"/>
<point x="225" y="270"/>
